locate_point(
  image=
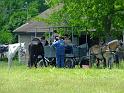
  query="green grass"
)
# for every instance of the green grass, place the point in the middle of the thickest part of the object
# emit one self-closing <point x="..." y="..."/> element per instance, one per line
<point x="20" y="79"/>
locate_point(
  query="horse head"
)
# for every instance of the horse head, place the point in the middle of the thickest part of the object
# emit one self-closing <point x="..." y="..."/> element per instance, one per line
<point x="3" y="48"/>
<point x="120" y="46"/>
<point x="22" y="49"/>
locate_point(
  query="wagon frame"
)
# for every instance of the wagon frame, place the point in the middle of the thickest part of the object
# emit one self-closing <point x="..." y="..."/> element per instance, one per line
<point x="79" y="52"/>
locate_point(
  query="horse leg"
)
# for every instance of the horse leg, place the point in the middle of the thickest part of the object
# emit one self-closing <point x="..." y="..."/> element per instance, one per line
<point x="112" y="60"/>
<point x="110" y="63"/>
<point x="92" y="60"/>
<point x="117" y="63"/>
<point x="2" y="56"/>
<point x="107" y="60"/>
<point x="30" y="62"/>
<point x="97" y="62"/>
<point x="35" y="60"/>
<point x="104" y="62"/>
<point x="31" y="57"/>
<point x="117" y="60"/>
<point x="9" y="62"/>
<point x="35" y="64"/>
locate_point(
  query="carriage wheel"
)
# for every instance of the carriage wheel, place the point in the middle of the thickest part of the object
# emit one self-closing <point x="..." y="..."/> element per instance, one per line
<point x="84" y="61"/>
<point x="51" y="61"/>
<point x="41" y="63"/>
<point x="69" y="63"/>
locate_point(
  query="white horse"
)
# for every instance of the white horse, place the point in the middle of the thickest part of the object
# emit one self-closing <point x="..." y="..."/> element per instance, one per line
<point x="12" y="49"/>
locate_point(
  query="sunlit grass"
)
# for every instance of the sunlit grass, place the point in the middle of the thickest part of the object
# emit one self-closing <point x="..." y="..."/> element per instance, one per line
<point x="20" y="79"/>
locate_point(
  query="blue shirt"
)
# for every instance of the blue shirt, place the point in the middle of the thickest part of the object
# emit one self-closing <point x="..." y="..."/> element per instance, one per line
<point x="60" y="47"/>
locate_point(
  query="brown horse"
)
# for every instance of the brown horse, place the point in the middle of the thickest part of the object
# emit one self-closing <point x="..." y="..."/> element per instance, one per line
<point x="96" y="52"/>
<point x="105" y="53"/>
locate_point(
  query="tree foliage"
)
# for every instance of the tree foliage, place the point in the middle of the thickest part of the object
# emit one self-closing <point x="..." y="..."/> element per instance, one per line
<point x="5" y="37"/>
<point x="106" y="16"/>
<point x="14" y="13"/>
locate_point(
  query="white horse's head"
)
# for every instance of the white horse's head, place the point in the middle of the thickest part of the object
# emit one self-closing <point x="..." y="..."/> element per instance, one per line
<point x="22" y="49"/>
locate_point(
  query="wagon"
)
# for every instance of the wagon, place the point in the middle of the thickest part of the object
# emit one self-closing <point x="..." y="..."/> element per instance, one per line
<point x="78" y="56"/>
<point x="73" y="55"/>
<point x="79" y="52"/>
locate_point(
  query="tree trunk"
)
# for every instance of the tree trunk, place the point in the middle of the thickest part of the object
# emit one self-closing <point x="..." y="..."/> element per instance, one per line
<point x="107" y="26"/>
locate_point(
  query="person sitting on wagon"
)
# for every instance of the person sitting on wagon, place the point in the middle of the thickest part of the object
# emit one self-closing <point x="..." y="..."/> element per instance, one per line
<point x="56" y="39"/>
<point x="60" y="51"/>
<point x="54" y="36"/>
<point x="68" y="45"/>
<point x="67" y="40"/>
<point x="44" y="41"/>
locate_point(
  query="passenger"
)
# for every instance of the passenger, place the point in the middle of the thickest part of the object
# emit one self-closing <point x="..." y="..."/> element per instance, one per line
<point x="60" y="52"/>
<point x="54" y="36"/>
<point x="56" y="39"/>
<point x="68" y="45"/>
<point x="67" y="40"/>
<point x="44" y="41"/>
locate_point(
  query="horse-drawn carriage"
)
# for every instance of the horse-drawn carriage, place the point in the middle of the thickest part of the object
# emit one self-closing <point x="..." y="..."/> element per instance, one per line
<point x="73" y="54"/>
<point x="79" y="54"/>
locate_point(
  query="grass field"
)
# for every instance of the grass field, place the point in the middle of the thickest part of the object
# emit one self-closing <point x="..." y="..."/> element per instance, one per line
<point x="20" y="79"/>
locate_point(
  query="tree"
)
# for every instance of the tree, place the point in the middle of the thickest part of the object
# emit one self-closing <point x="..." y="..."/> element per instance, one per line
<point x="105" y="16"/>
<point x="14" y="13"/>
<point x="6" y="37"/>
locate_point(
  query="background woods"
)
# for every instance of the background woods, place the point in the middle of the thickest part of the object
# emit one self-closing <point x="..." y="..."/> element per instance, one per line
<point x="14" y="13"/>
<point x="106" y="16"/>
